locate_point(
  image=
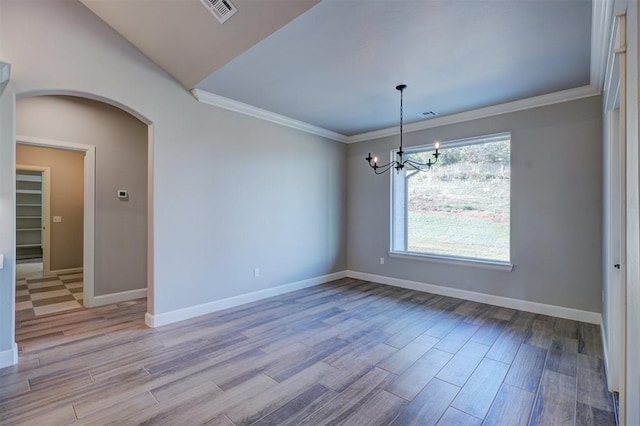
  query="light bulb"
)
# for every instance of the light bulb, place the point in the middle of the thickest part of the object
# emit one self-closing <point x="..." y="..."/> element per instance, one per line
<point x="437" y="145"/>
<point x="375" y="159"/>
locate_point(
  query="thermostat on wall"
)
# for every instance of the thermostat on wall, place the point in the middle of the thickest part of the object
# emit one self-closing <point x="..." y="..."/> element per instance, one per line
<point x="123" y="194"/>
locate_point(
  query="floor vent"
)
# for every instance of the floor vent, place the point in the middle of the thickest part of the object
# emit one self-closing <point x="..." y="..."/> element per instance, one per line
<point x="221" y="9"/>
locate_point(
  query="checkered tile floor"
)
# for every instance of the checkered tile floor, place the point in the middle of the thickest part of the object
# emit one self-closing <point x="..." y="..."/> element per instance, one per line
<point x="46" y="295"/>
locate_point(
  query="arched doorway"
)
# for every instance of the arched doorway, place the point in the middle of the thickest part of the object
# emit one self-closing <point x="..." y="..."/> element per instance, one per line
<point x="88" y="150"/>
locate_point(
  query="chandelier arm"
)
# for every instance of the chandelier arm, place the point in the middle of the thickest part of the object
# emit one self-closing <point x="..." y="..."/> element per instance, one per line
<point x="385" y="168"/>
<point x="417" y="168"/>
<point x="419" y="164"/>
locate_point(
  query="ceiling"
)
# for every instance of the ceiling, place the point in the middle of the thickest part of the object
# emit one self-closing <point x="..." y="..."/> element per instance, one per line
<point x="335" y="64"/>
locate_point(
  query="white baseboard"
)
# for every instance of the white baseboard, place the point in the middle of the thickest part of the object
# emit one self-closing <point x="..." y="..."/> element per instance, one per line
<point x="165" y="318"/>
<point x="505" y="302"/>
<point x="124" y="296"/>
<point x="9" y="357"/>
<point x="66" y="271"/>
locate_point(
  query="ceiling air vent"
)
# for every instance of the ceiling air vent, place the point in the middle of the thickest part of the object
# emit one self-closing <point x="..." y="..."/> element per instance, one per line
<point x="221" y="9"/>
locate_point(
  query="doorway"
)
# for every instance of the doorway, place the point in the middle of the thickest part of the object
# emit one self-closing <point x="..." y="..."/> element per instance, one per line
<point x="49" y="247"/>
<point x="31" y="219"/>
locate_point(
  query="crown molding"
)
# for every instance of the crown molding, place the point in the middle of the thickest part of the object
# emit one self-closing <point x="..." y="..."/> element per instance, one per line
<point x="242" y="108"/>
<point x="519" y="105"/>
<point x="601" y="25"/>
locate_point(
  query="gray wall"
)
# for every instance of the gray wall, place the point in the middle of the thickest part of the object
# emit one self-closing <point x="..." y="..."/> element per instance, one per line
<point x="556" y="208"/>
<point x="121" y="163"/>
<point x="66" y="196"/>
<point x="230" y="192"/>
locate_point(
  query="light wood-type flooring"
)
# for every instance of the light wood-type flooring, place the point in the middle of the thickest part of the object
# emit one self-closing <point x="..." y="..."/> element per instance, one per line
<point x="347" y="352"/>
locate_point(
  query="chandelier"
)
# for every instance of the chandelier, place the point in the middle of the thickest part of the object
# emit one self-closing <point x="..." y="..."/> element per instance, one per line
<point x="402" y="161"/>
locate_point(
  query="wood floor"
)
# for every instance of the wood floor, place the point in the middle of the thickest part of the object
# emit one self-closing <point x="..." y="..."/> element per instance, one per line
<point x="347" y="352"/>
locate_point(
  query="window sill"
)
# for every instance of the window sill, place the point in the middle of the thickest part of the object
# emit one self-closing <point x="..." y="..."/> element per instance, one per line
<point x="460" y="261"/>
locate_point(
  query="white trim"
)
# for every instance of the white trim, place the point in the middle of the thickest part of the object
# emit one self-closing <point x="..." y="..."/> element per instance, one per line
<point x="506" y="302"/>
<point x="9" y="357"/>
<point x="242" y="108"/>
<point x="123" y="296"/>
<point x="150" y="227"/>
<point x="89" y="205"/>
<point x="519" y="105"/>
<point x="601" y="13"/>
<point x="170" y="317"/>
<point x="459" y="261"/>
<point x="67" y="271"/>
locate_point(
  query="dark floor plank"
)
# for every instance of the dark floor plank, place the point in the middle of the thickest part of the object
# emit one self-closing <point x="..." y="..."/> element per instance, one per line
<point x="351" y="399"/>
<point x="512" y="406"/>
<point x="380" y="409"/>
<point x="590" y="341"/>
<point x="477" y="394"/>
<point x="591" y="416"/>
<point x="592" y="383"/>
<point x="406" y="356"/>
<point x="429" y="405"/>
<point x="563" y="356"/>
<point x="463" y="364"/>
<point x="541" y="332"/>
<point x="307" y="400"/>
<point x="456" y="339"/>
<point x="445" y="325"/>
<point x="416" y="377"/>
<point x="458" y="418"/>
<point x="489" y="332"/>
<point x="554" y="403"/>
<point x="506" y="346"/>
<point x="526" y="369"/>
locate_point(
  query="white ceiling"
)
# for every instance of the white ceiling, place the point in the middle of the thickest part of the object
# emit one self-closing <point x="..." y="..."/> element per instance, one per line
<point x="336" y="65"/>
<point x="185" y="39"/>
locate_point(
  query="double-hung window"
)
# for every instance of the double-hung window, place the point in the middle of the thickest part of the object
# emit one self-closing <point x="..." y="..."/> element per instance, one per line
<point x="460" y="209"/>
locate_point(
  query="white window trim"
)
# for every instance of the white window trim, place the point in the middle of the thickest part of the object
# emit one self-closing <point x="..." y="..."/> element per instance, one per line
<point x="437" y="258"/>
<point x="452" y="260"/>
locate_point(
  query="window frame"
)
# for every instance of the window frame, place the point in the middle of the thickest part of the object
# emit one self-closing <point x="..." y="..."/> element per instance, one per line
<point x="434" y="257"/>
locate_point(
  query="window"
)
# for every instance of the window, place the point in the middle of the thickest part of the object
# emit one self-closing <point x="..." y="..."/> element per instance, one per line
<point x="461" y="207"/>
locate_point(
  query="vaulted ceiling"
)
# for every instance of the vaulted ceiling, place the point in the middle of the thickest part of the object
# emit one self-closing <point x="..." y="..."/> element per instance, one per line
<point x="335" y="63"/>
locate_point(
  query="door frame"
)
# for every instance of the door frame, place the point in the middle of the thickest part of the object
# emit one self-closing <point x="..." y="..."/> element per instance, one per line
<point x="88" y="251"/>
<point x="615" y="214"/>
<point x="46" y="213"/>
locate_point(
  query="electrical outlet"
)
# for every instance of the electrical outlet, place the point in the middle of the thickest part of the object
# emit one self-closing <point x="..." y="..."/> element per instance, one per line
<point x="382" y="260"/>
<point x="256" y="272"/>
<point x="57" y="219"/>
